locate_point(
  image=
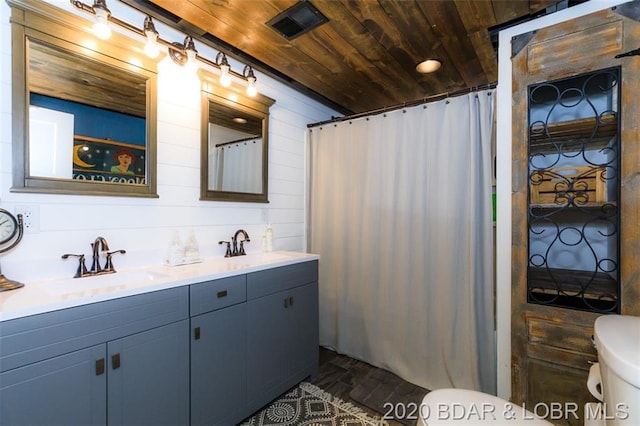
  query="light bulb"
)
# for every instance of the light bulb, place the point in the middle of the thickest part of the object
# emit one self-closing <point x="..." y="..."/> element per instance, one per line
<point x="151" y="48"/>
<point x="251" y="87"/>
<point x="225" y="77"/>
<point x="192" y="64"/>
<point x="101" y="27"/>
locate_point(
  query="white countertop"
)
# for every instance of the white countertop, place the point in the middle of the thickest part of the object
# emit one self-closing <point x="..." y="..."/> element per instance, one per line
<point x="45" y="296"/>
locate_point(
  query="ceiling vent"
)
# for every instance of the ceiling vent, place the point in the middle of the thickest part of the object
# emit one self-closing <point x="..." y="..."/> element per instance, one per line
<point x="297" y="20"/>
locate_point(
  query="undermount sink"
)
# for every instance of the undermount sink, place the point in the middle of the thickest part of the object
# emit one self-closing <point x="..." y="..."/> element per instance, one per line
<point x="100" y="283"/>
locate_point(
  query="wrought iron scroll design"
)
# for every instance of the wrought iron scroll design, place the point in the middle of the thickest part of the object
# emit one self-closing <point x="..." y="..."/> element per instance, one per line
<point x="574" y="185"/>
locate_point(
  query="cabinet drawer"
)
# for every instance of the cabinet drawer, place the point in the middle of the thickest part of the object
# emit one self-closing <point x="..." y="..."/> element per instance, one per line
<point x="217" y="294"/>
<point x="27" y="340"/>
<point x="273" y="280"/>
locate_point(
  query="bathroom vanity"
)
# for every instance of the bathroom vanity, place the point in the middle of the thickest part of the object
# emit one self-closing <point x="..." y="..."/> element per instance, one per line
<point x="209" y="343"/>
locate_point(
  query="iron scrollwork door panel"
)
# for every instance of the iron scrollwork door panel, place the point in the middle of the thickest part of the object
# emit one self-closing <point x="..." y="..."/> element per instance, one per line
<point x="573" y="215"/>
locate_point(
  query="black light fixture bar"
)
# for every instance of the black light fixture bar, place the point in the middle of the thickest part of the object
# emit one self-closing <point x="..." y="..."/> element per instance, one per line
<point x="176" y="50"/>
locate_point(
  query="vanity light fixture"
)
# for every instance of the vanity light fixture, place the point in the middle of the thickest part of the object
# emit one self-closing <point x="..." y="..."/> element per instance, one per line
<point x="101" y="27"/>
<point x="151" y="47"/>
<point x="223" y="63"/>
<point x="184" y="54"/>
<point x="251" y="80"/>
<point x="430" y="65"/>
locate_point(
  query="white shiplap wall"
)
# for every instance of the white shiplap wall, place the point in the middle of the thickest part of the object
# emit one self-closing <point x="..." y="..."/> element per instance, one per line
<point x="67" y="224"/>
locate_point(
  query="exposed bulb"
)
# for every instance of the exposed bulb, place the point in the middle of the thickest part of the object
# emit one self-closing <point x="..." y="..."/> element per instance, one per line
<point x="190" y="49"/>
<point x="225" y="77"/>
<point x="251" y="81"/>
<point x="251" y="87"/>
<point x="101" y="27"/>
<point x="191" y="65"/>
<point x="151" y="48"/>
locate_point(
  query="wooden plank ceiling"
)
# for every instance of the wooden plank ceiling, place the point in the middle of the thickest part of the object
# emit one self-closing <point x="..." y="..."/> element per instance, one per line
<point x="364" y="57"/>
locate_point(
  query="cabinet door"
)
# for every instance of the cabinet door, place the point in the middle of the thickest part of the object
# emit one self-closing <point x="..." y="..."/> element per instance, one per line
<point x="575" y="248"/>
<point x="218" y="366"/>
<point x="304" y="330"/>
<point x="282" y="342"/>
<point x="267" y="348"/>
<point x="66" y="390"/>
<point x="149" y="377"/>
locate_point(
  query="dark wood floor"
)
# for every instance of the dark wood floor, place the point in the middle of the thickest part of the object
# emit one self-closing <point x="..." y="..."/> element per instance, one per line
<point x="375" y="390"/>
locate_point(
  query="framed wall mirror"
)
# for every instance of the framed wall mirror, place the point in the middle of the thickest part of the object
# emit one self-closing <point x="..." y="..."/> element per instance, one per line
<point x="235" y="145"/>
<point x="84" y="119"/>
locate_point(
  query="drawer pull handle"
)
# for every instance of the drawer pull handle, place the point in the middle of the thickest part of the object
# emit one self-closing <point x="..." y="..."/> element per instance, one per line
<point x="115" y="361"/>
<point x="222" y="293"/>
<point x="196" y="333"/>
<point x="290" y="300"/>
<point x="99" y="366"/>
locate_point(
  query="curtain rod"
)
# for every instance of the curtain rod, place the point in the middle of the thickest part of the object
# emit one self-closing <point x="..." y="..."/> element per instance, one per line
<point x="425" y="100"/>
<point x="237" y="141"/>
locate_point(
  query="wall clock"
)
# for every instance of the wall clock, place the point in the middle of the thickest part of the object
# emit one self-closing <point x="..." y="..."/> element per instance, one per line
<point x="11" y="230"/>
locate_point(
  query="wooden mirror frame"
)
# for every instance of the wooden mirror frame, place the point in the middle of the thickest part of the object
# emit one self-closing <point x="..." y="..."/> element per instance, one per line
<point x="35" y="21"/>
<point x="214" y="93"/>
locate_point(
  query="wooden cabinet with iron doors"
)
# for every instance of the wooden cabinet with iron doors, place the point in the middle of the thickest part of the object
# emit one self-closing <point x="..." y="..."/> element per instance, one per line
<point x="575" y="205"/>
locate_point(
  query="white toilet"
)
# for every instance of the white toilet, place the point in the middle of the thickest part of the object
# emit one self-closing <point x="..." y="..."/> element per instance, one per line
<point x="617" y="339"/>
<point x="466" y="407"/>
<point x="615" y="379"/>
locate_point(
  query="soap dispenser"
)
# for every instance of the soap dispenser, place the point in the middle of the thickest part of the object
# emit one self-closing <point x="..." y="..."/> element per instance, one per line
<point x="175" y="252"/>
<point x="191" y="248"/>
<point x="269" y="238"/>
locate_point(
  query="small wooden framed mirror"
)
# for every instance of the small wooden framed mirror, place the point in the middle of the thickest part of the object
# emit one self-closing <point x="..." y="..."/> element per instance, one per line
<point x="235" y="143"/>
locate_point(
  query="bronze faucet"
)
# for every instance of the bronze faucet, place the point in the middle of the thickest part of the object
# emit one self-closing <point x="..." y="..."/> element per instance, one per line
<point x="100" y="244"/>
<point x="239" y="251"/>
<point x="95" y="266"/>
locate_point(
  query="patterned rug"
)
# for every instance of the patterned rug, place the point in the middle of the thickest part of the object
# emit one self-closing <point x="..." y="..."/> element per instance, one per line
<point x="308" y="405"/>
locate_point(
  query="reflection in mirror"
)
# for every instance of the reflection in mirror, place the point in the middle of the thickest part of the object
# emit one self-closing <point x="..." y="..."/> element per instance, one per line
<point x="235" y="150"/>
<point x="234" y="144"/>
<point x="84" y="110"/>
<point x="86" y="119"/>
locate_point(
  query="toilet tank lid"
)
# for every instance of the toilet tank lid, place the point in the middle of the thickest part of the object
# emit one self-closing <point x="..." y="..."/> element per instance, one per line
<point x="618" y="344"/>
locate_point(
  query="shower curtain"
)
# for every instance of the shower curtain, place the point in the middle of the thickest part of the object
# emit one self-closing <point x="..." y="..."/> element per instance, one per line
<point x="400" y="213"/>
<point x="237" y="166"/>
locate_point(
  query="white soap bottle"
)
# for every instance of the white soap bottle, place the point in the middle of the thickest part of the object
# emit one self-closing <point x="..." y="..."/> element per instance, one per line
<point x="175" y="253"/>
<point x="269" y="238"/>
<point x="191" y="248"/>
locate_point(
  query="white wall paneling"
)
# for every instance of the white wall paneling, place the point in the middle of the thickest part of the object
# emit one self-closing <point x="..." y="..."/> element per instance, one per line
<point x="144" y="226"/>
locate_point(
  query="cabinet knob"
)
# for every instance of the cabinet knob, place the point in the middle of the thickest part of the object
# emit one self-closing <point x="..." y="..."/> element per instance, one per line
<point x="222" y="293"/>
<point x="196" y="333"/>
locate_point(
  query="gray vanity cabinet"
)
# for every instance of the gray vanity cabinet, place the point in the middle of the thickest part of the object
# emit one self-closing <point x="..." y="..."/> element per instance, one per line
<point x="218" y="352"/>
<point x="148" y="377"/>
<point x="123" y="361"/>
<point x="282" y="339"/>
<point x="64" y="390"/>
<point x="210" y="353"/>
